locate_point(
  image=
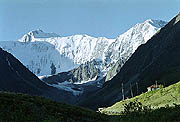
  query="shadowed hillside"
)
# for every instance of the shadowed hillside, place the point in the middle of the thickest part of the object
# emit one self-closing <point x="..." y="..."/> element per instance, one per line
<point x="25" y="108"/>
<point x="15" y="77"/>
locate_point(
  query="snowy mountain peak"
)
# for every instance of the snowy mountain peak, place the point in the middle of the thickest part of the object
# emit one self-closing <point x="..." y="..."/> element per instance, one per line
<point x="177" y="18"/>
<point x="69" y="52"/>
<point x="79" y="36"/>
<point x="155" y="23"/>
<point x="29" y="37"/>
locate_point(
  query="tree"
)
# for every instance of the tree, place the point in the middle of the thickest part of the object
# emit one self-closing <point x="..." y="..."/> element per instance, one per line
<point x="136" y="107"/>
<point x="53" y="69"/>
<point x="131" y="90"/>
<point x="137" y="88"/>
<point x="122" y="86"/>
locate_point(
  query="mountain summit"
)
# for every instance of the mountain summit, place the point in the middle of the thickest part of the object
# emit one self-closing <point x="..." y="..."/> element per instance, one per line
<point x="32" y="35"/>
<point x="66" y="53"/>
<point x="155" y="23"/>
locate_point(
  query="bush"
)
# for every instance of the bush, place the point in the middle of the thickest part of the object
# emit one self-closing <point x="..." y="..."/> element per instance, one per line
<point x="163" y="114"/>
<point x="135" y="107"/>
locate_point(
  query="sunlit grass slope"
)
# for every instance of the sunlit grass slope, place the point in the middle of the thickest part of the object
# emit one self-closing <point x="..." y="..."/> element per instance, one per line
<point x="155" y="99"/>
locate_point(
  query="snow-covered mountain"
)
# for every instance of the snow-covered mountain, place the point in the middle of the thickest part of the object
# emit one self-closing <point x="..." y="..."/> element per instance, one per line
<point x="32" y="35"/>
<point x="39" y="50"/>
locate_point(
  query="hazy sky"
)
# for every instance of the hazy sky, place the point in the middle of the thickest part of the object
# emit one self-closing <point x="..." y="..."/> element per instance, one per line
<point x="107" y="18"/>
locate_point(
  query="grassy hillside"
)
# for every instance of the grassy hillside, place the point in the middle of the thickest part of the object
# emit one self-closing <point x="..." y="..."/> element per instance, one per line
<point x="163" y="114"/>
<point x="155" y="99"/>
<point x="25" y="108"/>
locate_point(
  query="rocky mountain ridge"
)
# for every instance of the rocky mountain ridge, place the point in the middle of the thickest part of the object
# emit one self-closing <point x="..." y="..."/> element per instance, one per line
<point x="38" y="50"/>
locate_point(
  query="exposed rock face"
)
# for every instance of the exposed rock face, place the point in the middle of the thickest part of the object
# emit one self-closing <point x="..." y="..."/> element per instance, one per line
<point x="84" y="73"/>
<point x="158" y="59"/>
<point x="78" y="80"/>
<point x="115" y="69"/>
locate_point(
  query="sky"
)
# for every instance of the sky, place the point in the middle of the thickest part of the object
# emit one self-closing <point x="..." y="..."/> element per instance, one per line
<point x="98" y="18"/>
